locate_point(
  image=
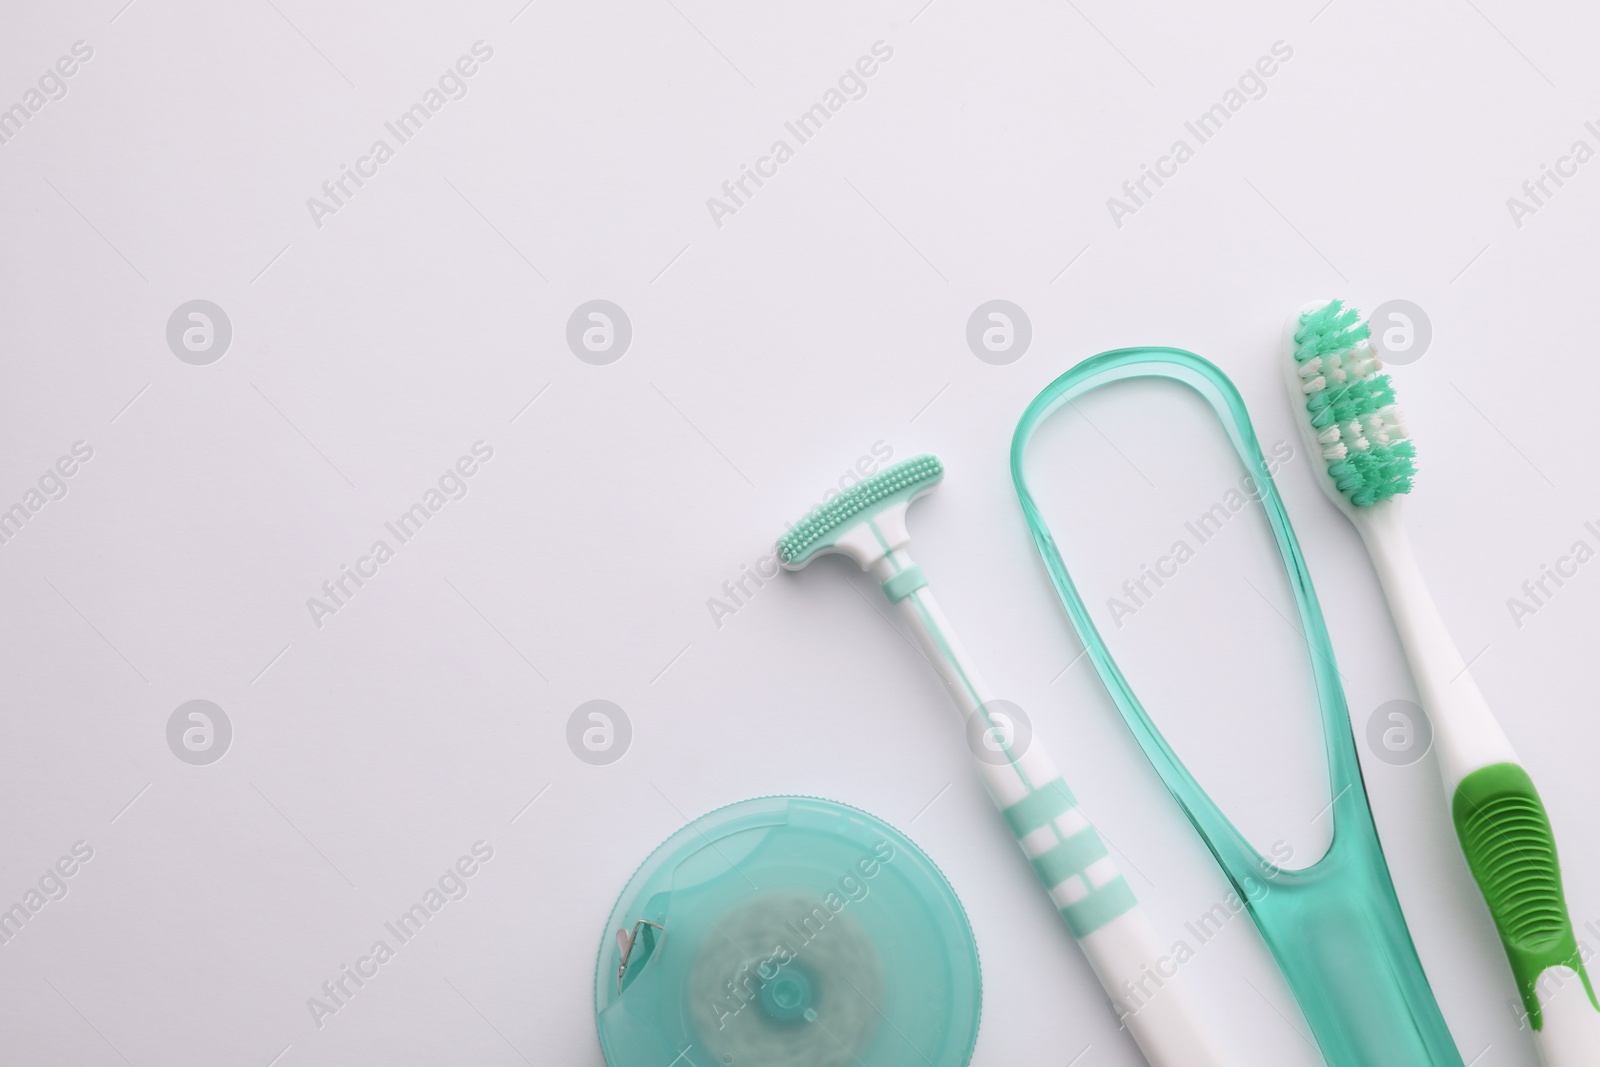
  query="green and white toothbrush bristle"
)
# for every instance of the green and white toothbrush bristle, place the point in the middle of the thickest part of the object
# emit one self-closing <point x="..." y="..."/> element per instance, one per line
<point x="867" y="522"/>
<point x="1359" y="431"/>
<point x="1347" y="416"/>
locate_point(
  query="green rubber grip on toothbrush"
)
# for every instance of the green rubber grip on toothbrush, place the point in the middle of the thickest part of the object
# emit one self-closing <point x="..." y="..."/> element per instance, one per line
<point x="1511" y="850"/>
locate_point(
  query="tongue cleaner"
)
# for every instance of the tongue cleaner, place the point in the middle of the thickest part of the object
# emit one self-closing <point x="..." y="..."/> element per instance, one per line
<point x="867" y="523"/>
<point x="1334" y="927"/>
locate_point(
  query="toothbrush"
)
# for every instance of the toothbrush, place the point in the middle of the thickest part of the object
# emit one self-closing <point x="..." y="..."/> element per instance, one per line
<point x="868" y="524"/>
<point x="1347" y="415"/>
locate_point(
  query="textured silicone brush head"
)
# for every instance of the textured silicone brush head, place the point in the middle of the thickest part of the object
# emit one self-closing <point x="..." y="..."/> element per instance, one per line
<point x="819" y="529"/>
<point x="1350" y="405"/>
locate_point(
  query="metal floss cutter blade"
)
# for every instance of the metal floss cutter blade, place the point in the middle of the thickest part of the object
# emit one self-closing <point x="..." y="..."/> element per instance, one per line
<point x="1335" y="927"/>
<point x="788" y="932"/>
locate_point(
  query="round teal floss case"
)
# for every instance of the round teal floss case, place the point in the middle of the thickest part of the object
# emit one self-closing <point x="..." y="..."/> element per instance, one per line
<point x="788" y="932"/>
<point x="1335" y="927"/>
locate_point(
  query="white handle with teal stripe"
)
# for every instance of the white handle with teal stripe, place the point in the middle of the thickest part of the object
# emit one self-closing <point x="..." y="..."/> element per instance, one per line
<point x="1069" y="857"/>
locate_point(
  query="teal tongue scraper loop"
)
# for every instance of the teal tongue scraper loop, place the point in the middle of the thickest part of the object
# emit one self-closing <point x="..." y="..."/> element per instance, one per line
<point x="1334" y="927"/>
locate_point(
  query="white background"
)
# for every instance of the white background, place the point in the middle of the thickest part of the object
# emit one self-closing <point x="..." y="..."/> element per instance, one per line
<point x="768" y="355"/>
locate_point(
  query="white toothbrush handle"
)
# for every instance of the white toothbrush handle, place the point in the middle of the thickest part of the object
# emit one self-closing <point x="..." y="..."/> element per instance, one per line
<point x="1499" y="817"/>
<point x="1066" y="852"/>
<point x="1570" y="1036"/>
<point x="1465" y="732"/>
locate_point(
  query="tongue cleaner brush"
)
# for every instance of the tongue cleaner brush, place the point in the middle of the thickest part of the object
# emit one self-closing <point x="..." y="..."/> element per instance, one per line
<point x="868" y="524"/>
<point x="1346" y="413"/>
<point x="1335" y="927"/>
